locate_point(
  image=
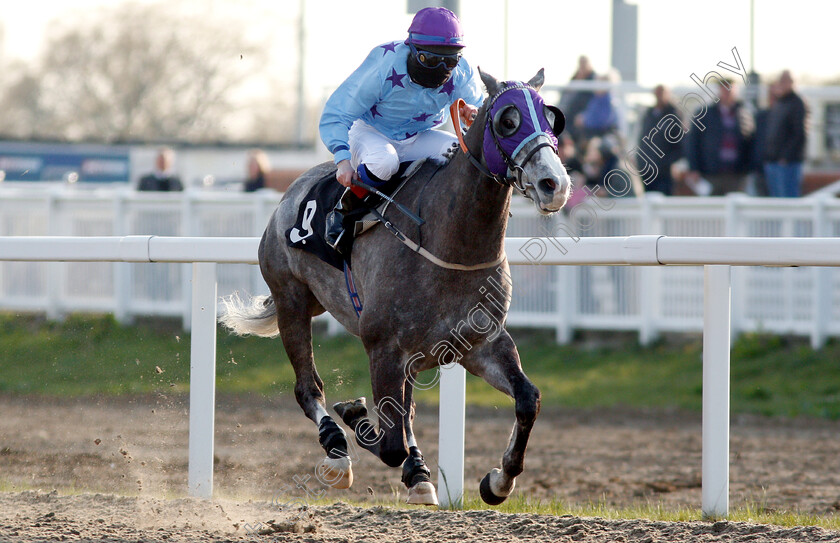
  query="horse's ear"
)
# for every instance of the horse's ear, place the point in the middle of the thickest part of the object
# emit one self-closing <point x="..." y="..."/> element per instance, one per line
<point x="490" y="82"/>
<point x="538" y="80"/>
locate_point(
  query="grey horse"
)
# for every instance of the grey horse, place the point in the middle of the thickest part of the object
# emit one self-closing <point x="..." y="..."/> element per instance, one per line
<point x="419" y="312"/>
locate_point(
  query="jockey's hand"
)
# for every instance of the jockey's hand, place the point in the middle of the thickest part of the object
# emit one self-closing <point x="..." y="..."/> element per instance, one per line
<point x="468" y="113"/>
<point x="345" y="173"/>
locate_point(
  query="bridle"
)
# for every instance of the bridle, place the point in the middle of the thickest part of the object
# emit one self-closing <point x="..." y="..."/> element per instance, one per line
<point x="518" y="180"/>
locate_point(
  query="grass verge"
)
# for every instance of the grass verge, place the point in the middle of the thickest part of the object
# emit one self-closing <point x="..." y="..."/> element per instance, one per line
<point x="89" y="355"/>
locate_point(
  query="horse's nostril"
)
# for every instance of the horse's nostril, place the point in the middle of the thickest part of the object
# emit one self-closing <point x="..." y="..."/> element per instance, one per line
<point x="547" y="185"/>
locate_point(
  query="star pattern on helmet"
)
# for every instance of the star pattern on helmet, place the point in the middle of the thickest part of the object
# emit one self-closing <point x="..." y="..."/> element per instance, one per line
<point x="422" y="117"/>
<point x="448" y="87"/>
<point x="395" y="78"/>
<point x="389" y="48"/>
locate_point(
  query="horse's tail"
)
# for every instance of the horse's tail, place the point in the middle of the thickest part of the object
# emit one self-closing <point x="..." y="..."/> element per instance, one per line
<point x="255" y="316"/>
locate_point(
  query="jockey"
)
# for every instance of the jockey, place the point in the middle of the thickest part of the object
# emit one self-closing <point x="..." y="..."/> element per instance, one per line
<point x="383" y="114"/>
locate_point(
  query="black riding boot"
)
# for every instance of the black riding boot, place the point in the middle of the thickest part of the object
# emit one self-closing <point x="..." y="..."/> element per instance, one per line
<point x="337" y="235"/>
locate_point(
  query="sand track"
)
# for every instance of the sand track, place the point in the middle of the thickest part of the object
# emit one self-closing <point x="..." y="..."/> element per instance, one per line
<point x="266" y="452"/>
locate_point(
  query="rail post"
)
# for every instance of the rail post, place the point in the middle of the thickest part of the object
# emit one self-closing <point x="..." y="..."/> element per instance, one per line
<point x="716" y="341"/>
<point x="202" y="379"/>
<point x="452" y="421"/>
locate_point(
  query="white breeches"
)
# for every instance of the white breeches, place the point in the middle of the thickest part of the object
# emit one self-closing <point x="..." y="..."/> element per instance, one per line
<point x="382" y="155"/>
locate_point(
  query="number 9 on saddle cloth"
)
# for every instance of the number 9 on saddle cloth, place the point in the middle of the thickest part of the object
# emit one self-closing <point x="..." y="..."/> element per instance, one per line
<point x="308" y="231"/>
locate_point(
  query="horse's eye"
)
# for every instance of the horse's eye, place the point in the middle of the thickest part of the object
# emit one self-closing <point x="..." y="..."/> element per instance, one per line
<point x="506" y="121"/>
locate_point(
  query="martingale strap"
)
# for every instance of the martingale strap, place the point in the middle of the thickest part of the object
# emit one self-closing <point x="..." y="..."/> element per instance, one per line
<point x="429" y="256"/>
<point x="449" y="265"/>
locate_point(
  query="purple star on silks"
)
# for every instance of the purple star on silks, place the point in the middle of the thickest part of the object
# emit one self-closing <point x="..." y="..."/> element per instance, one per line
<point x="410" y="134"/>
<point x="437" y="122"/>
<point x="392" y="47"/>
<point x="374" y="112"/>
<point x="448" y="87"/>
<point x="422" y="117"/>
<point x="395" y="79"/>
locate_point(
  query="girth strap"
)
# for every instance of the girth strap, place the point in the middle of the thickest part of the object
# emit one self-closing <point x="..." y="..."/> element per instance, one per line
<point x="351" y="290"/>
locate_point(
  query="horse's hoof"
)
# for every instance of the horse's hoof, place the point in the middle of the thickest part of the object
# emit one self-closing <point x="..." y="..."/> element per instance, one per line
<point x="351" y="411"/>
<point x="336" y="472"/>
<point x="489" y="490"/>
<point x="422" y="494"/>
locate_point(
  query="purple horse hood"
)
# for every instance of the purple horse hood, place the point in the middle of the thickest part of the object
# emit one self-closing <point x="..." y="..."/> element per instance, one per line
<point x="533" y="123"/>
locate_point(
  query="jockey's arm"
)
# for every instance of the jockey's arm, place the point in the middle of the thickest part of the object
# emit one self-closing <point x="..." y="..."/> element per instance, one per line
<point x="349" y="102"/>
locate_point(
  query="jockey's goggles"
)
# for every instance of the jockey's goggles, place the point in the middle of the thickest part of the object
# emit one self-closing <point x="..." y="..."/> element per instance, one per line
<point x="430" y="60"/>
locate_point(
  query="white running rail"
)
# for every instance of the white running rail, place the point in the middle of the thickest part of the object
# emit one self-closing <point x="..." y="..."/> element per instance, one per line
<point x="715" y="253"/>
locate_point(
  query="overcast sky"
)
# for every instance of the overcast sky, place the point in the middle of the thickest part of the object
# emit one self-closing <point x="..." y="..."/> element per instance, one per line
<point x="676" y="38"/>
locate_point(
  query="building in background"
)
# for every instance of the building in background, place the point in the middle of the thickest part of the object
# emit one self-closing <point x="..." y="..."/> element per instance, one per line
<point x="625" y="39"/>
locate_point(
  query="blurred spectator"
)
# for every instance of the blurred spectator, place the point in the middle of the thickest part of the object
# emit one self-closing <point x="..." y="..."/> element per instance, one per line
<point x="258" y="167"/>
<point x="569" y="156"/>
<point x="784" y="145"/>
<point x="601" y="287"/>
<point x="721" y="152"/>
<point x="759" y="143"/>
<point x="687" y="185"/>
<point x="600" y="116"/>
<point x="574" y="102"/>
<point x="163" y="178"/>
<point x="671" y="152"/>
<point x="600" y="158"/>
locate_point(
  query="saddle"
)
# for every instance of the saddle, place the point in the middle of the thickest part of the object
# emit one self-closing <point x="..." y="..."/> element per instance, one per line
<point x="307" y="233"/>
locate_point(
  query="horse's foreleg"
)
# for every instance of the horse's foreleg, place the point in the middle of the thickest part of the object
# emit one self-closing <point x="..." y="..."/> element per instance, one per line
<point x="502" y="369"/>
<point x="296" y="333"/>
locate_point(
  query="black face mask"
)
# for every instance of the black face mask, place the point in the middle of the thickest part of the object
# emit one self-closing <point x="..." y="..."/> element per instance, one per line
<point x="431" y="78"/>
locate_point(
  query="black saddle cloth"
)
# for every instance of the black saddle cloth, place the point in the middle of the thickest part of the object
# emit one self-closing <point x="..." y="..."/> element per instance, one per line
<point x="310" y="226"/>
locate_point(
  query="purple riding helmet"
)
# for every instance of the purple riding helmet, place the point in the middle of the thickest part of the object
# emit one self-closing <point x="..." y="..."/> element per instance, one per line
<point x="526" y="117"/>
<point x="435" y="26"/>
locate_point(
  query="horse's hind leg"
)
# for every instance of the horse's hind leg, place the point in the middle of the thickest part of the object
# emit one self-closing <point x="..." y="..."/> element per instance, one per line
<point x="294" y="306"/>
<point x="416" y="475"/>
<point x="388" y="384"/>
<point x="501" y="368"/>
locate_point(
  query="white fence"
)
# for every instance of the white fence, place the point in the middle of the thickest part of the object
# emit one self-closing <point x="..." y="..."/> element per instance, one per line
<point x="715" y="254"/>
<point x="799" y="301"/>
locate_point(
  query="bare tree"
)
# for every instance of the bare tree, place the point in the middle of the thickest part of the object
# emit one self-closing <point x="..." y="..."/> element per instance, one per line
<point x="135" y="72"/>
